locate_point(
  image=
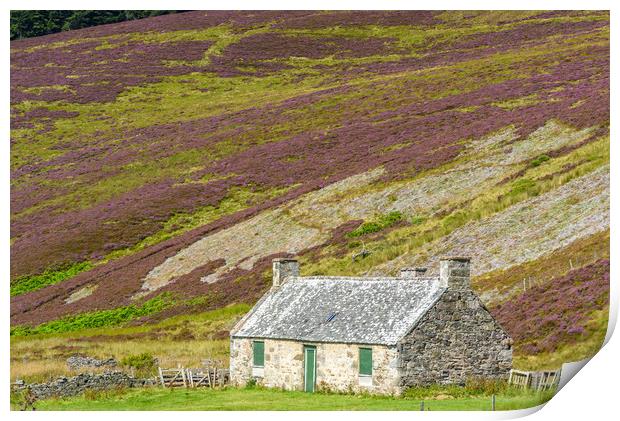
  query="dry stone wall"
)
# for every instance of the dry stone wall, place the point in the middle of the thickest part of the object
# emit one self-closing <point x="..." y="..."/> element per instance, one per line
<point x="71" y="386"/>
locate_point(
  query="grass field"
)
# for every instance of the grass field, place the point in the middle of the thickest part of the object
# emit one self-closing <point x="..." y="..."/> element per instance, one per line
<point x="183" y="339"/>
<point x="259" y="399"/>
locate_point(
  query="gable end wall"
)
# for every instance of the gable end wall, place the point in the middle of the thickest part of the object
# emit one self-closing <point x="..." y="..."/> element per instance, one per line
<point x="455" y="340"/>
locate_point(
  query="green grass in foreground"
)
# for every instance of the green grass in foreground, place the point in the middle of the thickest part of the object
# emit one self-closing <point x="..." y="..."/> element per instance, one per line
<point x="258" y="399"/>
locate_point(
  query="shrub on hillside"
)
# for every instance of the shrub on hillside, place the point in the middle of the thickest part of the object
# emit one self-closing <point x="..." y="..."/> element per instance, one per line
<point x="139" y="361"/>
<point x="384" y="221"/>
<point x="539" y="160"/>
<point x="144" y="364"/>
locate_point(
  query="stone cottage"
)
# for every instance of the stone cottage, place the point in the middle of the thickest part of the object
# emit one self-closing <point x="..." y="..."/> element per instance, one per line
<point x="375" y="334"/>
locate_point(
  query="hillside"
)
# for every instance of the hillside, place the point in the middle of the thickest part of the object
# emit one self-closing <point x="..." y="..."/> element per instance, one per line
<point x="158" y="165"/>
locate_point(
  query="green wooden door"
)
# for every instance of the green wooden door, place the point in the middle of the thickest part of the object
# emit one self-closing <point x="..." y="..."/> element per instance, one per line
<point x="309" y="368"/>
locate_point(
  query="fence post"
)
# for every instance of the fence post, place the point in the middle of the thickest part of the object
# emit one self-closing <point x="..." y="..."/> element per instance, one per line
<point x="161" y="377"/>
<point x="493" y="402"/>
<point x="190" y="377"/>
<point x="528" y="380"/>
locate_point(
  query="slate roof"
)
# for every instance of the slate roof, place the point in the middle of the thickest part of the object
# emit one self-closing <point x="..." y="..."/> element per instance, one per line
<point x="341" y="309"/>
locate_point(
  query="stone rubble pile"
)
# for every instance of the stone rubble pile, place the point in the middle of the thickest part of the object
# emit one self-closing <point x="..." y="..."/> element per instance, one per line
<point x="76" y="362"/>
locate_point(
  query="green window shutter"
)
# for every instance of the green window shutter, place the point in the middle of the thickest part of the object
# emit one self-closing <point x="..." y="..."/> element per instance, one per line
<point x="259" y="353"/>
<point x="366" y="361"/>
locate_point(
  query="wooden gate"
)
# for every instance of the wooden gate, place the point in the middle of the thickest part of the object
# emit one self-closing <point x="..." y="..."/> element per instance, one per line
<point x="537" y="380"/>
<point x="547" y="380"/>
<point x="193" y="377"/>
<point x="173" y="377"/>
<point x="520" y="379"/>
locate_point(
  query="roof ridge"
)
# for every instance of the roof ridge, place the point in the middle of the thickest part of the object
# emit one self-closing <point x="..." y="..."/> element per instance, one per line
<point x="363" y="278"/>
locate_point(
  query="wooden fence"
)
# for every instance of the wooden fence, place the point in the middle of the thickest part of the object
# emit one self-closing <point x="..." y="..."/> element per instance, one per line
<point x="537" y="380"/>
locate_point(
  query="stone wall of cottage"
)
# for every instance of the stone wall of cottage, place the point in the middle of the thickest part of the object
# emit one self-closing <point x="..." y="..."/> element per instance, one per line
<point x="455" y="340"/>
<point x="284" y="364"/>
<point x="240" y="361"/>
<point x="336" y="366"/>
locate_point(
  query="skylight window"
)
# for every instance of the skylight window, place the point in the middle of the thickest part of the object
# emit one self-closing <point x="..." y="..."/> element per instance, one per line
<point x="331" y="317"/>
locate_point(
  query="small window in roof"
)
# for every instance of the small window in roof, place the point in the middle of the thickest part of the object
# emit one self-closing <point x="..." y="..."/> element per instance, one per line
<point x="331" y="317"/>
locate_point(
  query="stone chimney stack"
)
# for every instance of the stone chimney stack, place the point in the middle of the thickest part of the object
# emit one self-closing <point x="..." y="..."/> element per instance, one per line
<point x="412" y="273"/>
<point x="284" y="268"/>
<point x="454" y="273"/>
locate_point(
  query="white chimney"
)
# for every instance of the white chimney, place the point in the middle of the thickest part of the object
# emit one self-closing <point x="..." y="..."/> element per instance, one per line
<point x="454" y="272"/>
<point x="284" y="268"/>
